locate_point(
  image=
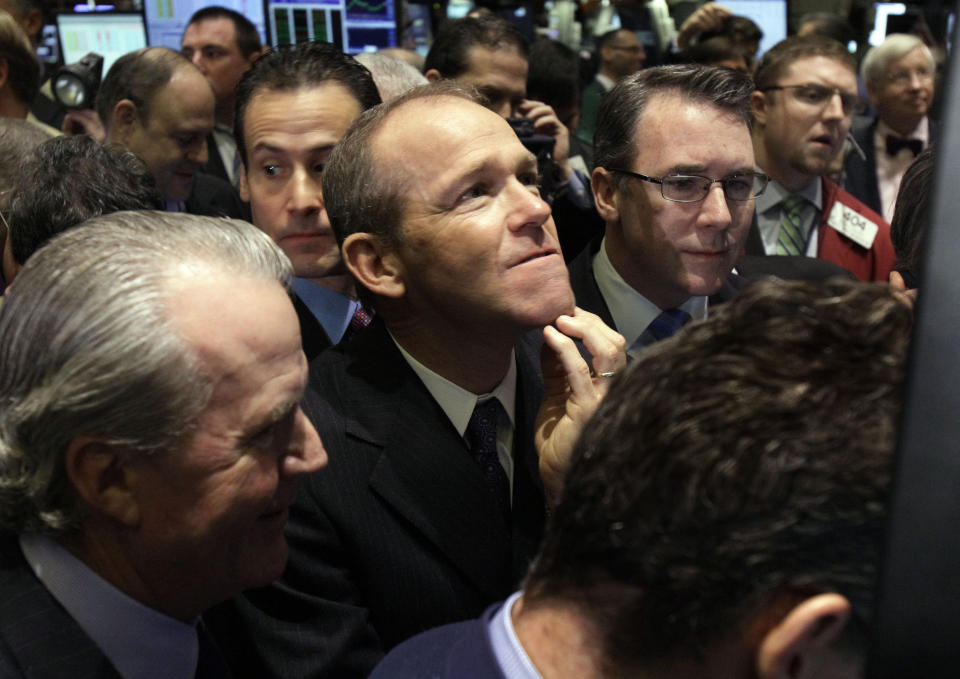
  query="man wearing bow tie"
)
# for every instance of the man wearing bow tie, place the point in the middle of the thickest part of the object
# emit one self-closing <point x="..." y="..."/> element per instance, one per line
<point x="805" y="99"/>
<point x="899" y="74"/>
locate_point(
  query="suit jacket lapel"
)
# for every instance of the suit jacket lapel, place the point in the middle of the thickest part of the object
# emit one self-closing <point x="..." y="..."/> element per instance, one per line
<point x="312" y="335"/>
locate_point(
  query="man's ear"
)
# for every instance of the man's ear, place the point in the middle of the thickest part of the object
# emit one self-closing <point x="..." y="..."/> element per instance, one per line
<point x="433" y="75"/>
<point x="101" y="479"/>
<point x="125" y="117"/>
<point x="796" y="647"/>
<point x="375" y="267"/>
<point x="605" y="191"/>
<point x="758" y="102"/>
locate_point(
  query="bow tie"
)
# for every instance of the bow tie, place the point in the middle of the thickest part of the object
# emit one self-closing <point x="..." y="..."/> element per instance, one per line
<point x="896" y="144"/>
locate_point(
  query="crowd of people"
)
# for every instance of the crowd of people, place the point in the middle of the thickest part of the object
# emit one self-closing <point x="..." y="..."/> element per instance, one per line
<point x="321" y="366"/>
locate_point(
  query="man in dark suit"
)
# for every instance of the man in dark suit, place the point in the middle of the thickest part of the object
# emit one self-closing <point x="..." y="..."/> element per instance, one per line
<point x="675" y="184"/>
<point x="899" y="75"/>
<point x="806" y="95"/>
<point x="708" y="527"/>
<point x="435" y="498"/>
<point x="292" y="108"/>
<point x="153" y="481"/>
<point x="157" y="104"/>
<point x="223" y="44"/>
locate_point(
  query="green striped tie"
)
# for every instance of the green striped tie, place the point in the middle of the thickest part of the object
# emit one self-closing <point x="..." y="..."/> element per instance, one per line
<point x="791" y="239"/>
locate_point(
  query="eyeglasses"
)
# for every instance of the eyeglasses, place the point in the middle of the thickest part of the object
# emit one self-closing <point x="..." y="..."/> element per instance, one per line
<point x="692" y="188"/>
<point x="819" y="95"/>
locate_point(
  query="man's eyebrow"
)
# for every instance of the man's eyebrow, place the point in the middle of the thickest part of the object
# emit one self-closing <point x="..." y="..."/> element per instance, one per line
<point x="270" y="148"/>
<point x="700" y="169"/>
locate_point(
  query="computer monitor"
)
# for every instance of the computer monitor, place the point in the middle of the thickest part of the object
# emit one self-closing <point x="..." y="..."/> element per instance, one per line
<point x="352" y="25"/>
<point x="109" y="34"/>
<point x="769" y="15"/>
<point x="881" y="13"/>
<point x="166" y="20"/>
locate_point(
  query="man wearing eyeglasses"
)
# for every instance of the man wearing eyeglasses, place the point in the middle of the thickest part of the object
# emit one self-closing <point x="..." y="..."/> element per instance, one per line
<point x="674" y="183"/>
<point x="805" y="99"/>
<point x="899" y="74"/>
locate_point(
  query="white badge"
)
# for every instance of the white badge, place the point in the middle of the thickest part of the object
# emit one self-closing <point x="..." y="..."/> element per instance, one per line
<point x="853" y="225"/>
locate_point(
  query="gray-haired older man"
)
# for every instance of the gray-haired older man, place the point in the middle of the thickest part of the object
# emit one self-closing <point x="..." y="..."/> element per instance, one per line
<point x="146" y="463"/>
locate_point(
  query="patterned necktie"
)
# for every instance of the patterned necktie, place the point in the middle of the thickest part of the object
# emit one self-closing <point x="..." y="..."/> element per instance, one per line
<point x="791" y="240"/>
<point x="897" y="144"/>
<point x="361" y="319"/>
<point x="663" y="326"/>
<point x="237" y="165"/>
<point x="481" y="436"/>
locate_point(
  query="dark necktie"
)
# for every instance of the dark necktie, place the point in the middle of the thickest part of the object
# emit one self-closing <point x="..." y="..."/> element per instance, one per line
<point x="896" y="144"/>
<point x="481" y="436"/>
<point x="663" y="326"/>
<point x="210" y="662"/>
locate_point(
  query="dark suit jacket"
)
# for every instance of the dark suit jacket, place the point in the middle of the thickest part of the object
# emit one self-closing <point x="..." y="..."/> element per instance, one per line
<point x="458" y="651"/>
<point x="38" y="638"/>
<point x="398" y="534"/>
<point x="860" y="175"/>
<point x="589" y="297"/>
<point x="215" y="166"/>
<point x="214" y="197"/>
<point x="312" y="335"/>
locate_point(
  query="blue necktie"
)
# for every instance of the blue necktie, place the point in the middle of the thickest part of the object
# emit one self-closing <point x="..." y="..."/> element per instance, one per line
<point x="663" y="326"/>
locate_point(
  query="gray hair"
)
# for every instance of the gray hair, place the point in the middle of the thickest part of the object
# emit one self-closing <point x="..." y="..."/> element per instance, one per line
<point x="874" y="66"/>
<point x="392" y="76"/>
<point x="18" y="138"/>
<point x="88" y="347"/>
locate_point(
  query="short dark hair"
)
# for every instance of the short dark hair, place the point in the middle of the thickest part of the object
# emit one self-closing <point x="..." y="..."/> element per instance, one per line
<point x="609" y="37"/>
<point x="554" y="76"/>
<point x="912" y="214"/>
<point x="23" y="67"/>
<point x="829" y="25"/>
<point x="302" y="66"/>
<point x="781" y="56"/>
<point x="247" y="37"/>
<point x="360" y="196"/>
<point x="744" y="463"/>
<point x="137" y="76"/>
<point x="622" y="108"/>
<point x="451" y="47"/>
<point x="66" y="181"/>
<point x="713" y="50"/>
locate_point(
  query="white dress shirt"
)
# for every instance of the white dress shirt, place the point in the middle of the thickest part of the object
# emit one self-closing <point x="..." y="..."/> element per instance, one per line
<point x="768" y="205"/>
<point x="890" y="169"/>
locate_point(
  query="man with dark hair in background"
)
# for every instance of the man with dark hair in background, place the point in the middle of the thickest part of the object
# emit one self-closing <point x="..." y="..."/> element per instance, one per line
<point x="724" y="510"/>
<point x="436" y="494"/>
<point x="619" y="53"/>
<point x="66" y="181"/>
<point x="157" y="104"/>
<point x="223" y="44"/>
<point x="806" y="95"/>
<point x="293" y="106"/>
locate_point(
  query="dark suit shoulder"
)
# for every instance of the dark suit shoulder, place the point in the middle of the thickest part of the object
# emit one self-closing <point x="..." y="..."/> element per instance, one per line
<point x="214" y="197"/>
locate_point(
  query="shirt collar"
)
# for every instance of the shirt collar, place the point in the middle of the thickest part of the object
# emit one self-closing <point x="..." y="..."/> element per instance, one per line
<point x="507" y="649"/>
<point x="631" y="311"/>
<point x="607" y="83"/>
<point x="136" y="639"/>
<point x="921" y="132"/>
<point x="455" y="401"/>
<point x="775" y="193"/>
<point x="331" y="309"/>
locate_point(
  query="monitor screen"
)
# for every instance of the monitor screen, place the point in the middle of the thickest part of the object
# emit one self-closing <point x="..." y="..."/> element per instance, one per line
<point x="769" y="15"/>
<point x="352" y="25"/>
<point x="109" y="34"/>
<point x="167" y="19"/>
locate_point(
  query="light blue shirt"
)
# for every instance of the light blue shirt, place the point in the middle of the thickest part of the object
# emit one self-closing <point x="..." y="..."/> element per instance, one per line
<point x="768" y="214"/>
<point x="331" y="309"/>
<point x="507" y="649"/>
<point x="139" y="642"/>
<point x="631" y="311"/>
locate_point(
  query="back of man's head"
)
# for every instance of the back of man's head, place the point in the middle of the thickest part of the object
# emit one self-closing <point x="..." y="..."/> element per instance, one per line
<point x="89" y="347"/>
<point x="731" y="474"/>
<point x="450" y="50"/>
<point x="23" y="68"/>
<point x="137" y="76"/>
<point x="392" y="75"/>
<point x="247" y="37"/>
<point x="911" y="216"/>
<point x="305" y="66"/>
<point x="68" y="180"/>
<point x="18" y="138"/>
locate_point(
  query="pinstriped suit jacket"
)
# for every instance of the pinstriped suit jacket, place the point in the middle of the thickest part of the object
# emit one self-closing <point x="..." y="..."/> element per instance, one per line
<point x="398" y="534"/>
<point x="38" y="638"/>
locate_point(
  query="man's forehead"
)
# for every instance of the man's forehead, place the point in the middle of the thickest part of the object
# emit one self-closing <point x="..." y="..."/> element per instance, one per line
<point x="214" y="28"/>
<point x="816" y="67"/>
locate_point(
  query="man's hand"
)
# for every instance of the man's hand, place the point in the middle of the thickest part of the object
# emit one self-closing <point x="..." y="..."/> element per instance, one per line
<point x="546" y="122"/>
<point x="572" y="391"/>
<point x="84" y="121"/>
<point x="899" y="287"/>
